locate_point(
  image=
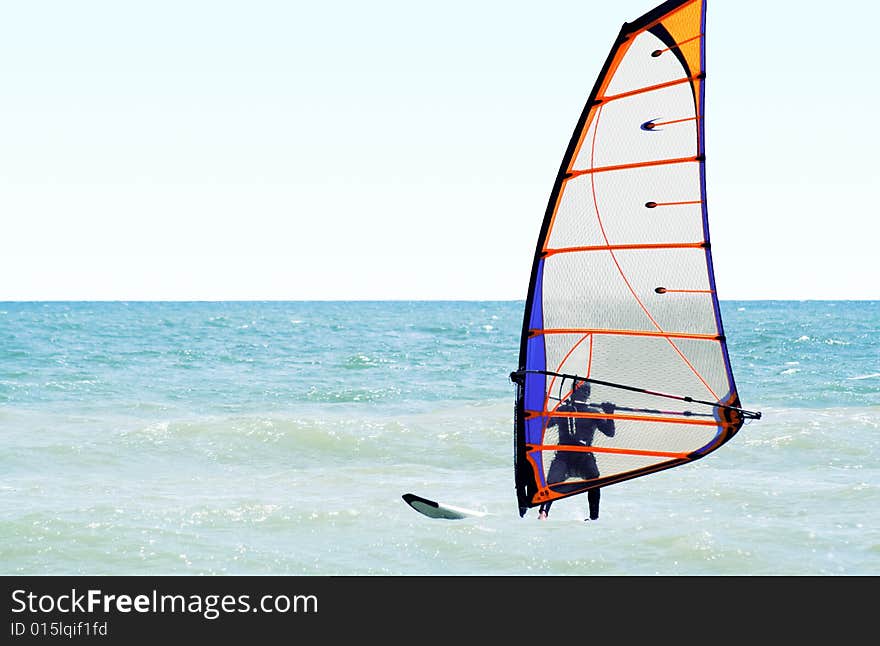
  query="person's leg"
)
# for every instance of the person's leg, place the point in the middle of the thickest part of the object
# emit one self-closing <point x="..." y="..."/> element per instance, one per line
<point x="557" y="473"/>
<point x="544" y="509"/>
<point x="593" y="499"/>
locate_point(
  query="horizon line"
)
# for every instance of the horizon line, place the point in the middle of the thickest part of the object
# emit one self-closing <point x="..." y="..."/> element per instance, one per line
<point x="385" y="300"/>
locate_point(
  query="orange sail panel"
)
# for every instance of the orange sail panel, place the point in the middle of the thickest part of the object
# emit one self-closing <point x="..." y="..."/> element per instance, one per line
<point x="622" y="291"/>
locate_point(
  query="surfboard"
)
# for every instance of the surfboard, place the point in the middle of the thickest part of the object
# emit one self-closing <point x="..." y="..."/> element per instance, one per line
<point x="434" y="509"/>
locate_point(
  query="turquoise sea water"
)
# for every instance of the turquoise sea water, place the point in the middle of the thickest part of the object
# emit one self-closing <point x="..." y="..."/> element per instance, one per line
<point x="277" y="438"/>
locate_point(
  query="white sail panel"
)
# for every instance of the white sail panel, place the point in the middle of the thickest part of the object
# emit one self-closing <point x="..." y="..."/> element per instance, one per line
<point x="621" y="197"/>
<point x="625" y="284"/>
<point x="639" y="69"/>
<point x="622" y="132"/>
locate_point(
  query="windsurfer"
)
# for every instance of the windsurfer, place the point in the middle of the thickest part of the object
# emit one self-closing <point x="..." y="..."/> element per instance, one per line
<point x="578" y="431"/>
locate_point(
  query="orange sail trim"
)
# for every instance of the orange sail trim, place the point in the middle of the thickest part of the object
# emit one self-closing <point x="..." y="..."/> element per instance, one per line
<point x="688" y="16"/>
<point x="652" y="205"/>
<point x="669" y="123"/>
<point x="606" y="80"/>
<point x="645" y="164"/>
<point x="608" y="449"/>
<point x="685" y="27"/>
<point x="677" y="46"/>
<point x="615" y="247"/>
<point x="649" y="88"/>
<point x="683" y="10"/>
<point x="673" y="335"/>
<point x="632" y="418"/>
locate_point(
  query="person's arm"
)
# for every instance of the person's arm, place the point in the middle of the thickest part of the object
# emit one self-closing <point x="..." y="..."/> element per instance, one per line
<point x="606" y="426"/>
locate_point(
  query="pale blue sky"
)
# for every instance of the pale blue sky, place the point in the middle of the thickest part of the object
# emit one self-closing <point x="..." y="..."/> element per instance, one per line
<point x="347" y="150"/>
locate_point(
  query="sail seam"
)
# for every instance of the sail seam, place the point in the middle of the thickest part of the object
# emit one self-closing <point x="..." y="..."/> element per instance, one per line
<point x="559" y="367"/>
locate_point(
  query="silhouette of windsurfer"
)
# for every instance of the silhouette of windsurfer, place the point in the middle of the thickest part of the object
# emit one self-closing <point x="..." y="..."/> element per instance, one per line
<point x="578" y="431"/>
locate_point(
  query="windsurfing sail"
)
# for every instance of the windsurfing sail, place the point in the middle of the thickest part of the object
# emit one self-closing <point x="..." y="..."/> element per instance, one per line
<point x="622" y="290"/>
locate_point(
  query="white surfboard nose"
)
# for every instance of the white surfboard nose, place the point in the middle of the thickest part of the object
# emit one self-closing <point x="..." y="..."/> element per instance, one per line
<point x="434" y="509"/>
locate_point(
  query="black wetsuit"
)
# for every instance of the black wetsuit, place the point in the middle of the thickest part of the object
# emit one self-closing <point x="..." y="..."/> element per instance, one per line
<point x="578" y="464"/>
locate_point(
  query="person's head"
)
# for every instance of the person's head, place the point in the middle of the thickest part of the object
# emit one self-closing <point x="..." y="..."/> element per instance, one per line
<point x="581" y="391"/>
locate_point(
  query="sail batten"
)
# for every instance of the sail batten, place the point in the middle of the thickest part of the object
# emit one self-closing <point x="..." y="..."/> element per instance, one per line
<point x="610" y="247"/>
<point x="653" y="333"/>
<point x="632" y="418"/>
<point x="642" y="90"/>
<point x="642" y="164"/>
<point x="622" y="289"/>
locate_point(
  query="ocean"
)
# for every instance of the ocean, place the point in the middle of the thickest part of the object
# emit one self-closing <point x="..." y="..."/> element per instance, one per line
<point x="276" y="438"/>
